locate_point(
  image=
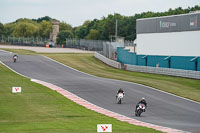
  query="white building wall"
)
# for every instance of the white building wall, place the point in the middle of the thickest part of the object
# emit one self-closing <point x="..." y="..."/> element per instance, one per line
<point x="169" y="43"/>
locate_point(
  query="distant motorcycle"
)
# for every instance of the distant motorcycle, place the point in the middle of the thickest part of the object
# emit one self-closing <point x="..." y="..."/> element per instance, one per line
<point x="140" y="108"/>
<point x="15" y="58"/>
<point x="120" y="97"/>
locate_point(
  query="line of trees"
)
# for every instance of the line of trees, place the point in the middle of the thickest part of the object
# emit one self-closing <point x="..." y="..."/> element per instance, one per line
<point x="92" y="30"/>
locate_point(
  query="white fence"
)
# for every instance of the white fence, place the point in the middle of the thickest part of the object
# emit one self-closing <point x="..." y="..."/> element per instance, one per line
<point x="165" y="71"/>
<point x="147" y="69"/>
<point x="108" y="61"/>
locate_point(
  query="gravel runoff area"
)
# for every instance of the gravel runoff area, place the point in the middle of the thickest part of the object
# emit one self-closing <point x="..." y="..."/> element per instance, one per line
<point x="47" y="50"/>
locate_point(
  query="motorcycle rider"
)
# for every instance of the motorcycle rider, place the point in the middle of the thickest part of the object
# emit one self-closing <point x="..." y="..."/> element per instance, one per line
<point x="120" y="91"/>
<point x="15" y="57"/>
<point x="142" y="101"/>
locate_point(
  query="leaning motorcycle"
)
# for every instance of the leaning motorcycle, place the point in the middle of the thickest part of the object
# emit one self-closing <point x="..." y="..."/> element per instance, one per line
<point x="119" y="98"/>
<point x="140" y="109"/>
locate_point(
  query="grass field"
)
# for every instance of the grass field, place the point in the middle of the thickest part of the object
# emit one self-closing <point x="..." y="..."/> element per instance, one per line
<point x="41" y="110"/>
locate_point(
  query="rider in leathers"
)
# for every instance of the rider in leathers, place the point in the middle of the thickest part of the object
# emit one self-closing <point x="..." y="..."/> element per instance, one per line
<point x="142" y="101"/>
<point x="120" y="91"/>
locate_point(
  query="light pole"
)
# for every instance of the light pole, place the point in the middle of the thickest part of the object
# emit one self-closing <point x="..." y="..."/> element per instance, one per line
<point x="116" y="28"/>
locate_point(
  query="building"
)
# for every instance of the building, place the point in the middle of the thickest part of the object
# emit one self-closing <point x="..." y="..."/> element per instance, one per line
<point x="177" y="35"/>
<point x="55" y="31"/>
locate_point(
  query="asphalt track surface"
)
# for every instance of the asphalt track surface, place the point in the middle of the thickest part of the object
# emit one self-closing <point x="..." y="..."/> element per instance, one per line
<point x="163" y="109"/>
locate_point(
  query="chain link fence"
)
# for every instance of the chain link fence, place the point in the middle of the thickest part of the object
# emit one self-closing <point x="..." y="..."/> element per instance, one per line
<point x="129" y="43"/>
<point x="26" y="41"/>
<point x="106" y="48"/>
<point x="92" y="45"/>
<point x="110" y="48"/>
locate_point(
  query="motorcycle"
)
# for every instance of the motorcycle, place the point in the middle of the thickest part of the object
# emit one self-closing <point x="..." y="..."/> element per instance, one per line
<point x="15" y="58"/>
<point x="119" y="98"/>
<point x="140" y="109"/>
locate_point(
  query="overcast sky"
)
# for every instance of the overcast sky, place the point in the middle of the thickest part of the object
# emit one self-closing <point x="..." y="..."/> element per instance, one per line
<point x="75" y="12"/>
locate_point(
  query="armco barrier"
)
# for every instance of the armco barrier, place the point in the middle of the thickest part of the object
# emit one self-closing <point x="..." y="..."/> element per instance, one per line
<point x="108" y="61"/>
<point x="147" y="69"/>
<point x="165" y="71"/>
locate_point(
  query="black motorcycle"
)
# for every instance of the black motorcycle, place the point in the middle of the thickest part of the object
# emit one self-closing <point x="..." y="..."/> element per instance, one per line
<point x="140" y="108"/>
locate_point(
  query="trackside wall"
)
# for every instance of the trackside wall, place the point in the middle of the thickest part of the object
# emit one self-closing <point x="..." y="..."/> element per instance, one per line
<point x="108" y="61"/>
<point x="148" y="69"/>
<point x="127" y="58"/>
<point x="175" y="62"/>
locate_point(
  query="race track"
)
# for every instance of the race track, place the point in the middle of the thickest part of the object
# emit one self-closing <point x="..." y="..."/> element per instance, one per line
<point x="163" y="109"/>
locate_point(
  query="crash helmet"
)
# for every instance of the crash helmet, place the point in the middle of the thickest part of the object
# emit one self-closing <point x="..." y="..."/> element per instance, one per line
<point x="143" y="98"/>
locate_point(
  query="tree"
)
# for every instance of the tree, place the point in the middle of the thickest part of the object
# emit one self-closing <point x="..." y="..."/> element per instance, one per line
<point x="81" y="31"/>
<point x="86" y="23"/>
<point x="64" y="26"/>
<point x="93" y="35"/>
<point x="9" y="28"/>
<point x="95" y="29"/>
<point x="2" y="30"/>
<point x="24" y="29"/>
<point x="109" y="26"/>
<point x="61" y="37"/>
<point x="46" y="18"/>
<point x="45" y="28"/>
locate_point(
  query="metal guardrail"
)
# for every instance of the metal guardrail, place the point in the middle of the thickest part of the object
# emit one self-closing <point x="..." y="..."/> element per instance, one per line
<point x="108" y="61"/>
<point x="147" y="69"/>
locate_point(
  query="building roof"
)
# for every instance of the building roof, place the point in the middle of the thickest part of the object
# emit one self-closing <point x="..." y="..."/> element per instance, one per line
<point x="192" y="13"/>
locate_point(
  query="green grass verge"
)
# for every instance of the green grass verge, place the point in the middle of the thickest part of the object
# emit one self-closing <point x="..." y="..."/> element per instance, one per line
<point x="185" y="87"/>
<point x="20" y="51"/>
<point x="41" y="110"/>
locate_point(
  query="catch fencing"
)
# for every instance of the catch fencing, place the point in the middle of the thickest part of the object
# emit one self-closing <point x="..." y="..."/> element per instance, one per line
<point x="26" y="41"/>
<point x="106" y="48"/>
<point x="109" y="50"/>
<point x="93" y="45"/>
<point x="147" y="69"/>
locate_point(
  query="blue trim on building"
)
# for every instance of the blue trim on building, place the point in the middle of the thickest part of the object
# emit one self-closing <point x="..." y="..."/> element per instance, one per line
<point x="127" y="58"/>
<point x="177" y="62"/>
